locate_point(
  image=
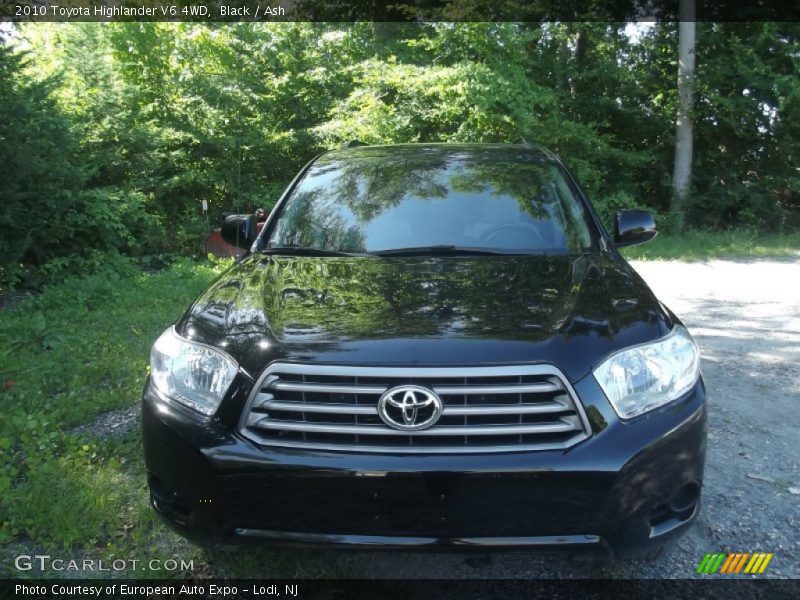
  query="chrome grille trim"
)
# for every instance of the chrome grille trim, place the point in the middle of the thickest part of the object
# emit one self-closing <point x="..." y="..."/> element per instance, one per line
<point x="387" y="449"/>
<point x="536" y="388"/>
<point x="340" y="409"/>
<point x="283" y="386"/>
<point x="267" y="401"/>
<point x="563" y="424"/>
<point x="327" y="407"/>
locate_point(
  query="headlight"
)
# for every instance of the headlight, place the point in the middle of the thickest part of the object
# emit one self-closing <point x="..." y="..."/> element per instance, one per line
<point x="642" y="378"/>
<point x="191" y="373"/>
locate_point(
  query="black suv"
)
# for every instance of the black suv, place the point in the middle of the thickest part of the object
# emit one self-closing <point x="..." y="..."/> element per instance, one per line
<point x="431" y="345"/>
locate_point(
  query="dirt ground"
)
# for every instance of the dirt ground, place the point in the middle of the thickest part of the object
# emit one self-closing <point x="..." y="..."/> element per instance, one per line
<point x="745" y="315"/>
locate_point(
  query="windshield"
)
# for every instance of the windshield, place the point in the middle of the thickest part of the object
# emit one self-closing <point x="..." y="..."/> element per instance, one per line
<point x="376" y="199"/>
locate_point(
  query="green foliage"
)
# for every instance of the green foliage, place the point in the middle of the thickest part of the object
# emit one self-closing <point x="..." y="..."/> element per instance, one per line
<point x="53" y="221"/>
<point x="74" y="351"/>
<point x="748" y="108"/>
<point x="113" y="135"/>
<point x="43" y="505"/>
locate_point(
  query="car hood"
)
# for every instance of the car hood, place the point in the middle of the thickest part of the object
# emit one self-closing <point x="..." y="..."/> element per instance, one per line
<point x="571" y="311"/>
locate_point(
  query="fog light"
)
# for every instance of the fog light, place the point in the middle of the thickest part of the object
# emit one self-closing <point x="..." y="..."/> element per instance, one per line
<point x="168" y="502"/>
<point x="160" y="491"/>
<point x="685" y="499"/>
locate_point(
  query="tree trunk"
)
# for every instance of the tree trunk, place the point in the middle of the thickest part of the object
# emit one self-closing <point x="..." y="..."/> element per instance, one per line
<point x="682" y="172"/>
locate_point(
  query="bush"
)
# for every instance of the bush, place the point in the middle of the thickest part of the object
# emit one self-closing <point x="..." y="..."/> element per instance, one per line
<point x="89" y="230"/>
<point x="53" y="222"/>
<point x="723" y="205"/>
<point x="189" y="234"/>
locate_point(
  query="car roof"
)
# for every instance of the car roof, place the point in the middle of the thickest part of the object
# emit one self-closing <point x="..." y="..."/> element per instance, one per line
<point x="497" y="151"/>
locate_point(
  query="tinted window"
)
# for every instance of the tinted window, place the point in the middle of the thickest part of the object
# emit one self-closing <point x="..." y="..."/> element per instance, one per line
<point x="374" y="199"/>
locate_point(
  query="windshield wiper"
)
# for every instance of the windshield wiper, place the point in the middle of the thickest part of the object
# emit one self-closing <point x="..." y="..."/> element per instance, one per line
<point x="446" y="250"/>
<point x="305" y="251"/>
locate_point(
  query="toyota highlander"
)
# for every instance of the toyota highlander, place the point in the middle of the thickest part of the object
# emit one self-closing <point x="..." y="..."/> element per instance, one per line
<point x="429" y="345"/>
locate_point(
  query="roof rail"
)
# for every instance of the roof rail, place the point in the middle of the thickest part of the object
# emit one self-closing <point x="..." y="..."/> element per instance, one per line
<point x="525" y="142"/>
<point x="352" y="144"/>
<point x="534" y="146"/>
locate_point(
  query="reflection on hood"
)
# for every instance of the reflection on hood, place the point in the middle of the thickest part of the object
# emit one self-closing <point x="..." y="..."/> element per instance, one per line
<point x="317" y="305"/>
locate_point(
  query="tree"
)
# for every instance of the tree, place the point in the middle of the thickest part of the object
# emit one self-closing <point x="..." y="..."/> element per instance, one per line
<point x="118" y="132"/>
<point x="682" y="172"/>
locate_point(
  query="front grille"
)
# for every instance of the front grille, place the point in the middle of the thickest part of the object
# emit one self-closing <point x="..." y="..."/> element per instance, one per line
<point x="485" y="409"/>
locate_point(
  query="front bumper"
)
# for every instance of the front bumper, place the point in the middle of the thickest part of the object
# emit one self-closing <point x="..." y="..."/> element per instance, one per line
<point x="610" y="491"/>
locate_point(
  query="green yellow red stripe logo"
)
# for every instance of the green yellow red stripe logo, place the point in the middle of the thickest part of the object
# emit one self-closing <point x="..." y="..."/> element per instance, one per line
<point x="733" y="563"/>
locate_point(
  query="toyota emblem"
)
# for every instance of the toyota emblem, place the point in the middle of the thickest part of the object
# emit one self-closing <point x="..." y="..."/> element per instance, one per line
<point x="410" y="407"/>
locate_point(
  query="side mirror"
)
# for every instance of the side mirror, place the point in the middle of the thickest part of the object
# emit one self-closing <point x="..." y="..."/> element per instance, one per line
<point x="239" y="230"/>
<point x="634" y="227"/>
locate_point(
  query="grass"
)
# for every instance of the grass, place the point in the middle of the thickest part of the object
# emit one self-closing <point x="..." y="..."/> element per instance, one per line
<point x="69" y="354"/>
<point x="704" y="245"/>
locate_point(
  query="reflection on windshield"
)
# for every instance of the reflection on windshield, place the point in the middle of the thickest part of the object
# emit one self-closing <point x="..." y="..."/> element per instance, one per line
<point x="382" y="198"/>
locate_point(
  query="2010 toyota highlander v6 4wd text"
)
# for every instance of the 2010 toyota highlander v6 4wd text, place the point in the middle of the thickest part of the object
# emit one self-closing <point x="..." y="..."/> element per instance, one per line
<point x="431" y="345"/>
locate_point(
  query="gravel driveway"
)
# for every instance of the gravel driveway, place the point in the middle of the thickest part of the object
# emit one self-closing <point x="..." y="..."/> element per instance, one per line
<point x="746" y="317"/>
